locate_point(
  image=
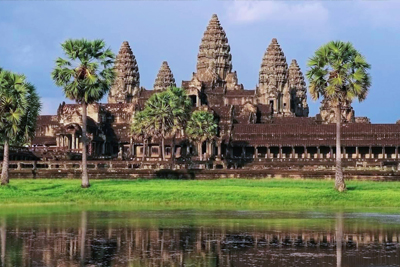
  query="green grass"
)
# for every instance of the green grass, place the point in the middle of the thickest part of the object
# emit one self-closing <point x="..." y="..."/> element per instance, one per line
<point x="223" y="193"/>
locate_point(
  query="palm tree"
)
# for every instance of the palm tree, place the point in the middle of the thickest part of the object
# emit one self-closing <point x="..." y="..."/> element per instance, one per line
<point x="180" y="107"/>
<point x="85" y="76"/>
<point x="159" y="116"/>
<point x="201" y="127"/>
<point x="339" y="73"/>
<point x="19" y="108"/>
<point x="141" y="128"/>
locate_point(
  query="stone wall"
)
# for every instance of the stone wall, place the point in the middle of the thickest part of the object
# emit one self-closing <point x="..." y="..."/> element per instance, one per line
<point x="209" y="170"/>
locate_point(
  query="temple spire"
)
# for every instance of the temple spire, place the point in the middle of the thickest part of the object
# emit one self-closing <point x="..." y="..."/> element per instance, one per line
<point x="273" y="88"/>
<point x="298" y="90"/>
<point x="214" y="58"/>
<point x="274" y="69"/>
<point x="165" y="78"/>
<point x="127" y="80"/>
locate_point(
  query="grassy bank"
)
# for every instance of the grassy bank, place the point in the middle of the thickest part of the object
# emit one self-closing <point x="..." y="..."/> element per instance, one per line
<point x="224" y="193"/>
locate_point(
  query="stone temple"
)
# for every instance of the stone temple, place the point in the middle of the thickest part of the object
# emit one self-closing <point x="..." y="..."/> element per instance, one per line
<point x="270" y="122"/>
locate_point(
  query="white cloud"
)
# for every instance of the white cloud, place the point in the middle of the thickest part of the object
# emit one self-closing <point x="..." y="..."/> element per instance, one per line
<point x="253" y="11"/>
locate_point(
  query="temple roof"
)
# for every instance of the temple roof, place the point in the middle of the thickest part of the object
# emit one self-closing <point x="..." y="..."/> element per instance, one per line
<point x="165" y="78"/>
<point x="214" y="57"/>
<point x="303" y="134"/>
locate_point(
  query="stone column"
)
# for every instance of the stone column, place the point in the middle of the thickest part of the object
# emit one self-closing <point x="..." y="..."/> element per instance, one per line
<point x="370" y="152"/>
<point x="305" y="153"/>
<point x="318" y="152"/>
<point x="280" y="152"/>
<point x="293" y="152"/>
<point x="268" y="152"/>
<point x="344" y="153"/>
<point x="330" y="152"/>
<point x="383" y="152"/>
<point x="357" y="152"/>
<point x="256" y="152"/>
<point x="198" y="101"/>
<point x="396" y="151"/>
<point x="73" y="141"/>
<point x="220" y="149"/>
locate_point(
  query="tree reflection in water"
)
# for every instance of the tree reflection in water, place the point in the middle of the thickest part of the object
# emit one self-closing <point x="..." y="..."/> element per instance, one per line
<point x="182" y="238"/>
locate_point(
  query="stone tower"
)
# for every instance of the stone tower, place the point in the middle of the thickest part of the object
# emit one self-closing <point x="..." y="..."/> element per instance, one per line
<point x="273" y="87"/>
<point x="214" y="57"/>
<point x="127" y="80"/>
<point x="165" y="78"/>
<point x="298" y="91"/>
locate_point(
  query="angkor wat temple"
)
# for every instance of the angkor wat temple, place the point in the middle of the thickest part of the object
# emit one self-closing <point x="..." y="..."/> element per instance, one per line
<point x="265" y="124"/>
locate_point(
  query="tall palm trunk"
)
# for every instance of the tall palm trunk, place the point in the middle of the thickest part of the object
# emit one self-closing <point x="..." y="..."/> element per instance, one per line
<point x="163" y="147"/>
<point x="6" y="156"/>
<point x="339" y="179"/>
<point x="200" y="149"/>
<point x="173" y="150"/>
<point x="85" y="177"/>
<point x="144" y="149"/>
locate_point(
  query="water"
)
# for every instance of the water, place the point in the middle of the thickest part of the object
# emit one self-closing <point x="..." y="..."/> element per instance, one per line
<point x="68" y="236"/>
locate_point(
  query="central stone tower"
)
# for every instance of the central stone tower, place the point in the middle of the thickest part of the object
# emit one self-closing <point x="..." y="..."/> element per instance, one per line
<point x="214" y="58"/>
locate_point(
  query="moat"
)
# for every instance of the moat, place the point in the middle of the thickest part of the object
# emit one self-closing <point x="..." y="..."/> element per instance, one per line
<point x="72" y="236"/>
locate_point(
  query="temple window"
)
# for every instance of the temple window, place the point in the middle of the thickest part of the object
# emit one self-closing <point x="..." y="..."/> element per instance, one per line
<point x="193" y="98"/>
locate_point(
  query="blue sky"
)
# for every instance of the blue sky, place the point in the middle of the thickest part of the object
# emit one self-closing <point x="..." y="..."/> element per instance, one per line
<point x="31" y="33"/>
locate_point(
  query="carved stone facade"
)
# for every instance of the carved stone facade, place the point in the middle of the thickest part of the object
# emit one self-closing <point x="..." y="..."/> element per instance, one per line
<point x="328" y="115"/>
<point x="269" y="122"/>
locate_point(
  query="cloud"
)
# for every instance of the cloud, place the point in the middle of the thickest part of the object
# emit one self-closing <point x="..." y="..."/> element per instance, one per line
<point x="253" y="11"/>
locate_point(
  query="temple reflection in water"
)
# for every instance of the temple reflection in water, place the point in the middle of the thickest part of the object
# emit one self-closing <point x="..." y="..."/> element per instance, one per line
<point x="139" y="239"/>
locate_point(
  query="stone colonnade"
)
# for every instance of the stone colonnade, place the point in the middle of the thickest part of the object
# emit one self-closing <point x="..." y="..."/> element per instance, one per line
<point x="69" y="141"/>
<point x="207" y="148"/>
<point x="315" y="152"/>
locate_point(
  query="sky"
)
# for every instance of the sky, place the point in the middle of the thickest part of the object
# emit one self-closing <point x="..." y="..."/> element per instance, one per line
<point x="31" y="33"/>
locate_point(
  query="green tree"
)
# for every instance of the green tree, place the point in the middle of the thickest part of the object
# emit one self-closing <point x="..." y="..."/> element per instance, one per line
<point x="201" y="127"/>
<point x="339" y="73"/>
<point x="159" y="117"/>
<point x="181" y="107"/>
<point x="141" y="128"/>
<point x="19" y="109"/>
<point x="165" y="114"/>
<point x="85" y="76"/>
